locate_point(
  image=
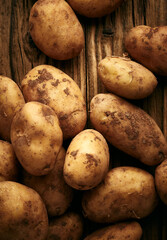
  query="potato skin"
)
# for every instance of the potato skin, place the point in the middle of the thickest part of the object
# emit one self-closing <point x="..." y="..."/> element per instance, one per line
<point x="52" y="188"/>
<point x="125" y="193"/>
<point x="87" y="160"/>
<point x="9" y="166"/>
<point x="36" y="138"/>
<point x="119" y="231"/>
<point x="148" y="46"/>
<point x="161" y="181"/>
<point x="126" y="78"/>
<point x="56" y="89"/>
<point x="23" y="213"/>
<point x="94" y="8"/>
<point x="67" y="226"/>
<point x="128" y="128"/>
<point x="55" y="29"/>
<point x="11" y="100"/>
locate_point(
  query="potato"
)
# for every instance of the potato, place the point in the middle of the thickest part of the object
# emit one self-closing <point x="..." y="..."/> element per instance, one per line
<point x="55" y="29"/>
<point x="11" y="99"/>
<point x="9" y="167"/>
<point x="23" y="213"/>
<point x="94" y="8"/>
<point x="36" y="138"/>
<point x="56" y="194"/>
<point x="125" y="193"/>
<point x="161" y="181"/>
<point x="126" y="78"/>
<point x="87" y="160"/>
<point x="128" y="128"/>
<point x="148" y="46"/>
<point x="68" y="226"/>
<point x="53" y="87"/>
<point x="119" y="231"/>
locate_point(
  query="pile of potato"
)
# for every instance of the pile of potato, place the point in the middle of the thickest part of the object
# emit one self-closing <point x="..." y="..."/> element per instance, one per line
<point x="50" y="162"/>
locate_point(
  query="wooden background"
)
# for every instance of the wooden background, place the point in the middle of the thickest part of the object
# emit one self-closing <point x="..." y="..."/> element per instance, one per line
<point x="103" y="36"/>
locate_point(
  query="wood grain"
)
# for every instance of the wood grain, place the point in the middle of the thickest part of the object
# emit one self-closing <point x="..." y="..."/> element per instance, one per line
<point x="103" y="37"/>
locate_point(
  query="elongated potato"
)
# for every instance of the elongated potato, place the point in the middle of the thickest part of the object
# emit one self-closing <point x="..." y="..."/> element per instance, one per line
<point x="120" y="231"/>
<point x="128" y="128"/>
<point x="68" y="226"/>
<point x="55" y="29"/>
<point x="23" y="213"/>
<point x="161" y="181"/>
<point x="52" y="188"/>
<point x="94" y="8"/>
<point x="36" y="137"/>
<point x="125" y="193"/>
<point x="126" y="78"/>
<point x="11" y="100"/>
<point x="56" y="89"/>
<point x="148" y="46"/>
<point x="87" y="160"/>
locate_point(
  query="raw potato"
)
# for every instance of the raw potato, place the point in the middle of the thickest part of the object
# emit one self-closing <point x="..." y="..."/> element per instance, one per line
<point x="126" y="78"/>
<point x="23" y="213"/>
<point x="9" y="167"/>
<point x="125" y="193"/>
<point x="161" y="181"/>
<point x="119" y="231"/>
<point x="56" y="194"/>
<point x="11" y="100"/>
<point x="94" y="8"/>
<point x="55" y="29"/>
<point x="53" y="87"/>
<point x="87" y="160"/>
<point x="68" y="226"/>
<point x="128" y="128"/>
<point x="36" y="138"/>
<point x="148" y="46"/>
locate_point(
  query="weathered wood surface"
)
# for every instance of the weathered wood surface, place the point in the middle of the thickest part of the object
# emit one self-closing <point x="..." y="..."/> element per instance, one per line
<point x="103" y="36"/>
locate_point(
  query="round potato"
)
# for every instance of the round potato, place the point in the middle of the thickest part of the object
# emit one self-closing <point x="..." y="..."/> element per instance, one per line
<point x="51" y="86"/>
<point x="23" y="213"/>
<point x="11" y="100"/>
<point x="126" y="78"/>
<point x="161" y="180"/>
<point x="125" y="193"/>
<point x="148" y="46"/>
<point x="67" y="226"/>
<point x="128" y="128"/>
<point x="94" y="8"/>
<point x="54" y="191"/>
<point x="36" y="138"/>
<point x="119" y="231"/>
<point x="9" y="167"/>
<point x="87" y="160"/>
<point x="55" y="29"/>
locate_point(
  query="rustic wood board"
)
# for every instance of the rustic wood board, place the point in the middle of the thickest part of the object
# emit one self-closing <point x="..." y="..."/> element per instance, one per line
<point x="103" y="36"/>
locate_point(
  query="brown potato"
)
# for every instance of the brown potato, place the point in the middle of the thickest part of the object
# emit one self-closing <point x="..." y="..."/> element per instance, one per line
<point x="87" y="160"/>
<point x="9" y="167"/>
<point x="94" y="8"/>
<point x="161" y="180"/>
<point x="54" y="191"/>
<point x="125" y="193"/>
<point x="23" y="213"/>
<point x="55" y="29"/>
<point x="36" y="137"/>
<point x="148" y="46"/>
<point x="11" y="100"/>
<point x="128" y="128"/>
<point x="67" y="226"/>
<point x="53" y="87"/>
<point x="119" y="231"/>
<point x="126" y="78"/>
